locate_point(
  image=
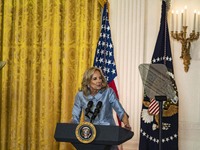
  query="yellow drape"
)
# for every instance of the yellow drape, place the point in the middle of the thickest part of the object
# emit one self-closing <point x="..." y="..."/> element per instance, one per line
<point x="47" y="45"/>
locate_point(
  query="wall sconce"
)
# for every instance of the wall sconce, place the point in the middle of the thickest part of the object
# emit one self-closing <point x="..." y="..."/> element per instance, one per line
<point x="181" y="36"/>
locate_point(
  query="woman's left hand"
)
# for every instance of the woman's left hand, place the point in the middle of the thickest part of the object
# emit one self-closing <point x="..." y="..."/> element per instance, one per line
<point x="126" y="122"/>
<point x="127" y="126"/>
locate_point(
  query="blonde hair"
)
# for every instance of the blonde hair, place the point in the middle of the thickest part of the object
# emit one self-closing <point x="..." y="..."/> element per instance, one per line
<point x="87" y="78"/>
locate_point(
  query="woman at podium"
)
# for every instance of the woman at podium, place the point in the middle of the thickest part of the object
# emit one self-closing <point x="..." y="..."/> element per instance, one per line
<point x="97" y="101"/>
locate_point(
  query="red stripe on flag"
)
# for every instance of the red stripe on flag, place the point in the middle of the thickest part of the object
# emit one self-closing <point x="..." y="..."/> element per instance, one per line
<point x="113" y="86"/>
<point x="153" y="107"/>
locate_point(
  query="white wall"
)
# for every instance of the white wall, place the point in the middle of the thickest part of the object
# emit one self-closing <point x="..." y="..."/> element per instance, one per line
<point x="134" y="27"/>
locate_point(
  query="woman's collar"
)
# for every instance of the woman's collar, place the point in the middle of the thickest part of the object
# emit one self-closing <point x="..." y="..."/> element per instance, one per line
<point x="97" y="96"/>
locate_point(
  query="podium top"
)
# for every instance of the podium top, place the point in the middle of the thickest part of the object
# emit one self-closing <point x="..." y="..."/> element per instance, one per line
<point x="105" y="135"/>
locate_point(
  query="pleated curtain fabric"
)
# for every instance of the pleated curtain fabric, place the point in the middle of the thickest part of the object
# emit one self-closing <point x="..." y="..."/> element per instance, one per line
<point x="47" y="45"/>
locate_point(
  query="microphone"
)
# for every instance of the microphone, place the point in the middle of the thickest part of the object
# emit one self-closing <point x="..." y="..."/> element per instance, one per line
<point x="96" y="111"/>
<point x="87" y="110"/>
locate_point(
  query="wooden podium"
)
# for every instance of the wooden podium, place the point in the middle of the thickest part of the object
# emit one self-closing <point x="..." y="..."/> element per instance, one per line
<point x="106" y="136"/>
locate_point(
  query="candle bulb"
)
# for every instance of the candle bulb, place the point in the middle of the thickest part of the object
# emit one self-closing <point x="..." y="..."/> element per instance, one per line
<point x="194" y="24"/>
<point x="185" y="16"/>
<point x="172" y="21"/>
<point x="176" y="20"/>
<point x="181" y="20"/>
<point x="198" y="29"/>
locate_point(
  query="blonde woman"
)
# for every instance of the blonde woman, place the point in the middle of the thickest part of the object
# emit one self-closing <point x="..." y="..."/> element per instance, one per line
<point x="97" y="101"/>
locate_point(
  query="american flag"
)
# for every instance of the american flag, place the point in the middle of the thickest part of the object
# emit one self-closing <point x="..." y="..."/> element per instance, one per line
<point x="149" y="132"/>
<point x="104" y="57"/>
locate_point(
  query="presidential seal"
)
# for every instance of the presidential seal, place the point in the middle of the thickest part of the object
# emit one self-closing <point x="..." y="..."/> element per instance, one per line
<point x="85" y="132"/>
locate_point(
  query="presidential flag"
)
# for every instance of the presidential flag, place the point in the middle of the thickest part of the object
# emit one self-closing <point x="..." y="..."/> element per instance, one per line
<point x="149" y="132"/>
<point x="104" y="57"/>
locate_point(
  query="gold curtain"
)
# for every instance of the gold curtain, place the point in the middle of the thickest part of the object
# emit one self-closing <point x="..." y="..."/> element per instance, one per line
<point x="47" y="45"/>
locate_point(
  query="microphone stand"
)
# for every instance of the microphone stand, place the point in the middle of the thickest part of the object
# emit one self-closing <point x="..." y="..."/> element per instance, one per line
<point x="96" y="111"/>
<point x="91" y="120"/>
<point x="160" y="99"/>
